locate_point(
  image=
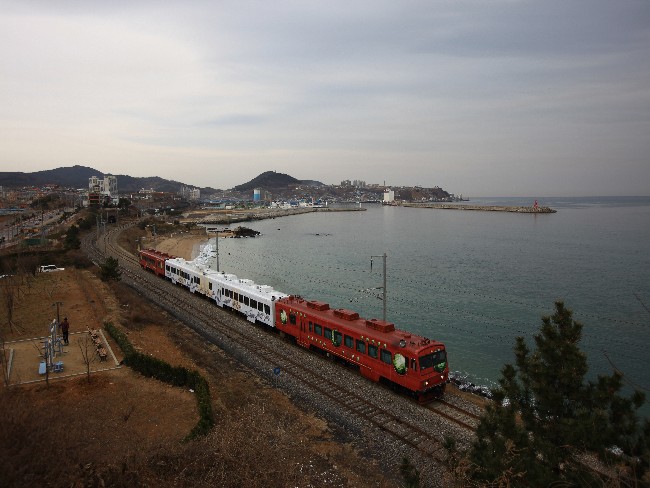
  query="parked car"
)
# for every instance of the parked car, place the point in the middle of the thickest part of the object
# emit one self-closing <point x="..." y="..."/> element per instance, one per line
<point x="47" y="268"/>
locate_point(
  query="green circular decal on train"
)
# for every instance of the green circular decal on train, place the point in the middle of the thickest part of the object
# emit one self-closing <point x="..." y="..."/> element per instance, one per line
<point x="283" y="317"/>
<point x="399" y="363"/>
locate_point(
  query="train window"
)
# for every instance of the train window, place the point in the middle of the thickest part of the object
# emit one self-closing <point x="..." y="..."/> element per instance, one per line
<point x="267" y="309"/>
<point x="437" y="360"/>
<point x="236" y="297"/>
<point x="260" y="306"/>
<point x="318" y="329"/>
<point x="372" y="351"/>
<point x="349" y="342"/>
<point x="414" y="365"/>
<point x="386" y="356"/>
<point x="337" y="338"/>
<point x="292" y="318"/>
<point x="328" y="333"/>
<point x="245" y="300"/>
<point x="361" y="346"/>
<point x="253" y="304"/>
<point x="310" y="325"/>
<point x="209" y="286"/>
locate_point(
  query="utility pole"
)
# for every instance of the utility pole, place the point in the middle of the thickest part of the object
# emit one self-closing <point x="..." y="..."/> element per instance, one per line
<point x="216" y="240"/>
<point x="383" y="256"/>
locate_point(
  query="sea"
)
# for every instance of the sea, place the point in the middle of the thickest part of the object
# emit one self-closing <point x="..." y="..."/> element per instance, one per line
<point x="474" y="280"/>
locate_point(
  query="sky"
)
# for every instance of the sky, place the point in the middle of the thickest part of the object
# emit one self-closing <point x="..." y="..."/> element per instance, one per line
<point x="481" y="98"/>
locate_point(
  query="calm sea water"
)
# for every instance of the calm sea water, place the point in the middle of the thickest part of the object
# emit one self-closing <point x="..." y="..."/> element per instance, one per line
<point x="474" y="280"/>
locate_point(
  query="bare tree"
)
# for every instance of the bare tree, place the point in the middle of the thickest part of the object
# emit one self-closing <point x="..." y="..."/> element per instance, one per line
<point x="11" y="291"/>
<point x="87" y="348"/>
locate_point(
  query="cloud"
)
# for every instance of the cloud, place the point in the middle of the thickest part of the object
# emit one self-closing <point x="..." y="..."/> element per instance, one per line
<point x="411" y="92"/>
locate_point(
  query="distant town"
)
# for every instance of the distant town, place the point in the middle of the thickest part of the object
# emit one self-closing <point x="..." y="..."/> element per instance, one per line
<point x="269" y="188"/>
<point x="32" y="211"/>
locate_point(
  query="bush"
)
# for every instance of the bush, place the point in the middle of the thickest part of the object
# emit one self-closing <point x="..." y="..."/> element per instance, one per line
<point x="175" y="375"/>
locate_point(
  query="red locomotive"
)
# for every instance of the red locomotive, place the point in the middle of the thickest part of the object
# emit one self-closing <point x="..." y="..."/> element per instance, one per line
<point x="154" y="261"/>
<point x="381" y="352"/>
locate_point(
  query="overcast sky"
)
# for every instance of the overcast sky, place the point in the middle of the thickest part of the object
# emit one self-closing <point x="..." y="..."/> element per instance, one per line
<point x="483" y="98"/>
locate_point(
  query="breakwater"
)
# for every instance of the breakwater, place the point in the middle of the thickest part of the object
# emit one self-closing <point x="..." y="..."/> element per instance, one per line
<point x="483" y="208"/>
<point x="228" y="217"/>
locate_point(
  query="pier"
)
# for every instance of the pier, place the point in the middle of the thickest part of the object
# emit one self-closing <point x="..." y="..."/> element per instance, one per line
<point x="227" y="217"/>
<point x="483" y="208"/>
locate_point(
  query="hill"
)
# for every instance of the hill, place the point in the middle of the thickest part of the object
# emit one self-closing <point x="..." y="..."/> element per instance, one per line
<point x="77" y="177"/>
<point x="272" y="180"/>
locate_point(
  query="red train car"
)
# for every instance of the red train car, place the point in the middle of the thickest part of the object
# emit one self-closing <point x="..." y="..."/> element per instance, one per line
<point x="377" y="348"/>
<point x="154" y="261"/>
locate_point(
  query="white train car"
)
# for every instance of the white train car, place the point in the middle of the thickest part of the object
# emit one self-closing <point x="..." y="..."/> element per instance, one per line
<point x="182" y="272"/>
<point x="255" y="302"/>
<point x="191" y="274"/>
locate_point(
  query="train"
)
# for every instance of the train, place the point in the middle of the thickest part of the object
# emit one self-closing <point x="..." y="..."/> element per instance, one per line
<point x="382" y="353"/>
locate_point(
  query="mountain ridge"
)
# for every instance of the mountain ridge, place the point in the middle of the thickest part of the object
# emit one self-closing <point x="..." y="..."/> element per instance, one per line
<point x="77" y="177"/>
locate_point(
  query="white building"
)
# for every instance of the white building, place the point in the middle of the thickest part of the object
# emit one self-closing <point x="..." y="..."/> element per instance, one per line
<point x="105" y="187"/>
<point x="389" y="195"/>
<point x="190" y="193"/>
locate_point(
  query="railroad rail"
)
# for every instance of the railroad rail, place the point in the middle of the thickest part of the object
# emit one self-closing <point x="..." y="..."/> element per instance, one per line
<point x="422" y="434"/>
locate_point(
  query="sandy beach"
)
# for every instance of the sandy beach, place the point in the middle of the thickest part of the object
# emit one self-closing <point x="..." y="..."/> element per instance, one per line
<point x="186" y="246"/>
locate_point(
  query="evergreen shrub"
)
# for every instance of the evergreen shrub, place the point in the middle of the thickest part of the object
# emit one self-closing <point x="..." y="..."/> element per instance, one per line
<point x="153" y="367"/>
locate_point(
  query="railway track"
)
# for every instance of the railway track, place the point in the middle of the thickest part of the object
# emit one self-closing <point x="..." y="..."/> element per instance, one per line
<point x="421" y="433"/>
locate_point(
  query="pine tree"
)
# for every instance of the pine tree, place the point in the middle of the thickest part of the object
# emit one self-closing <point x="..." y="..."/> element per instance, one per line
<point x="110" y="269"/>
<point x="72" y="238"/>
<point x="545" y="414"/>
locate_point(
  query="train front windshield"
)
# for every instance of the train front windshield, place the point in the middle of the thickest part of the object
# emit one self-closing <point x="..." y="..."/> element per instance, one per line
<point x="436" y="360"/>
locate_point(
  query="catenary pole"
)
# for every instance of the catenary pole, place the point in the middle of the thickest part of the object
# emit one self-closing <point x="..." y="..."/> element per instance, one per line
<point x="383" y="256"/>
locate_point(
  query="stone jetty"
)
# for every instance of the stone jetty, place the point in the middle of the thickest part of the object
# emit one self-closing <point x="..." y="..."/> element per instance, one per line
<point x="247" y="215"/>
<point x="483" y="208"/>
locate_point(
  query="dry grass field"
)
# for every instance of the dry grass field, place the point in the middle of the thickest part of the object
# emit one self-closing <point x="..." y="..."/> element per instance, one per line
<point x="117" y="428"/>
